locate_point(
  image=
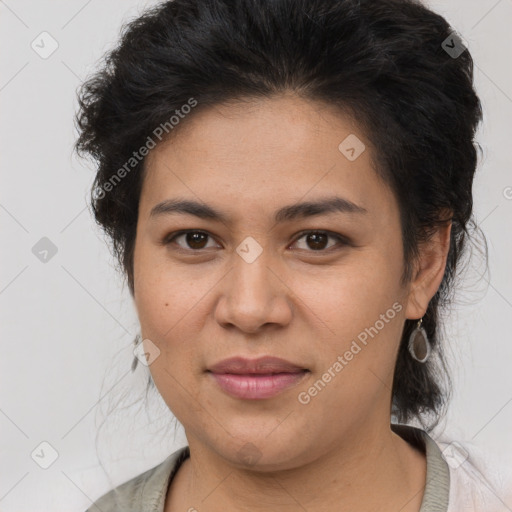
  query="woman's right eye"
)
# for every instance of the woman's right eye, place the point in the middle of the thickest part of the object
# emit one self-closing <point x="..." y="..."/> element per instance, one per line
<point x="191" y="240"/>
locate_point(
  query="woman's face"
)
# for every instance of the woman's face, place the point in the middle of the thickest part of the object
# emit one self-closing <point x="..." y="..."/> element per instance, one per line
<point x="256" y="282"/>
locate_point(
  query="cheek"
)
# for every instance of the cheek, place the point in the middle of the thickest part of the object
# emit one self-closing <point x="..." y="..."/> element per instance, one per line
<point x="166" y="306"/>
<point x="357" y="310"/>
<point x="350" y="296"/>
<point x="172" y="304"/>
<point x="159" y="299"/>
<point x="151" y="298"/>
<point x="162" y="303"/>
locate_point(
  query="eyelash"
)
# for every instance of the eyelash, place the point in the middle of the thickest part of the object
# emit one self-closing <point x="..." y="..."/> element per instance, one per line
<point x="342" y="241"/>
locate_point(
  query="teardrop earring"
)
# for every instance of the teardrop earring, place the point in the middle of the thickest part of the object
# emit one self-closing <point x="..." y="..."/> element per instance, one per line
<point x="135" y="359"/>
<point x="419" y="345"/>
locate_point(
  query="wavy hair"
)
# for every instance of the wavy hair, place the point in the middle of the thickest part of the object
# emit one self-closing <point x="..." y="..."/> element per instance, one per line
<point x="383" y="62"/>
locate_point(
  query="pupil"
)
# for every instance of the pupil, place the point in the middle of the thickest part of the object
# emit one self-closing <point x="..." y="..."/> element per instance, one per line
<point x="194" y="240"/>
<point x="318" y="240"/>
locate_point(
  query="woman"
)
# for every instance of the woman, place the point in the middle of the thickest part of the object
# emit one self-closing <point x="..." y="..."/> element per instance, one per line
<point x="287" y="186"/>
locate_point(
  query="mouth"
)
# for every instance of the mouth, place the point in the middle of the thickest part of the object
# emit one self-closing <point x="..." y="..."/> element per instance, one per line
<point x="256" y="379"/>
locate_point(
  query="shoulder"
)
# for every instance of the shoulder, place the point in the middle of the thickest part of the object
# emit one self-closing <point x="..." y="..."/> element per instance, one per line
<point x="466" y="477"/>
<point x="145" y="491"/>
<point x="480" y="481"/>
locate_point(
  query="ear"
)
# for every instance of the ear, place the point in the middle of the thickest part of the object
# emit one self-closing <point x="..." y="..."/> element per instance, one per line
<point x="428" y="272"/>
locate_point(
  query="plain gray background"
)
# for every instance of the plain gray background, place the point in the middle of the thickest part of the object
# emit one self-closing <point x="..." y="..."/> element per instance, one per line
<point x="67" y="324"/>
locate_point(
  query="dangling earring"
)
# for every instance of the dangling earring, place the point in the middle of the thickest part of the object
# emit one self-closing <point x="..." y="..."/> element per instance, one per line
<point x="135" y="360"/>
<point x="419" y="345"/>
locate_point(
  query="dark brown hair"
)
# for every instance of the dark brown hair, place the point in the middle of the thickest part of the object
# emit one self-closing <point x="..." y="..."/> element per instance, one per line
<point x="385" y="62"/>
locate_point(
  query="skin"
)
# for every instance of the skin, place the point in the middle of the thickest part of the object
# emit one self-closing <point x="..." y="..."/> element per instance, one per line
<point x="202" y="303"/>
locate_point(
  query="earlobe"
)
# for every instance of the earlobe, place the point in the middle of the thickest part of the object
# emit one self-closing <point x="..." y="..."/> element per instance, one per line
<point x="429" y="271"/>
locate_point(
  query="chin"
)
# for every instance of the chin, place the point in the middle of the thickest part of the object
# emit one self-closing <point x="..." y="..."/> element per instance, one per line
<point x="261" y="449"/>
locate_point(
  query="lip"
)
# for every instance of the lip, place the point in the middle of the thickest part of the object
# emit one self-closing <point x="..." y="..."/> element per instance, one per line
<point x="256" y="379"/>
<point x="261" y="365"/>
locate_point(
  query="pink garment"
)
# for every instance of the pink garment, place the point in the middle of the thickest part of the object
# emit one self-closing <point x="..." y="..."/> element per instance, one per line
<point x="479" y="480"/>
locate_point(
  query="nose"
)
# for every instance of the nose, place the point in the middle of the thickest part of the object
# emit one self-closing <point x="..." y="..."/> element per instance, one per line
<point x="254" y="295"/>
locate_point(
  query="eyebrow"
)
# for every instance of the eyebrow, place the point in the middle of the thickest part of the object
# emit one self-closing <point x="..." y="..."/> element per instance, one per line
<point x="287" y="213"/>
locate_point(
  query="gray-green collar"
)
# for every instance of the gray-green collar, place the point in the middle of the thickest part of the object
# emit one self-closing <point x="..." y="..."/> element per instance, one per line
<point x="437" y="485"/>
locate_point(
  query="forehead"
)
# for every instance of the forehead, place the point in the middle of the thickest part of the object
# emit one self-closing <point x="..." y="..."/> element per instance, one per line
<point x="265" y="152"/>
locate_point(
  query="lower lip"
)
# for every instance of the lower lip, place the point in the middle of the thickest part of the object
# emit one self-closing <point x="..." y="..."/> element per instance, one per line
<point x="256" y="387"/>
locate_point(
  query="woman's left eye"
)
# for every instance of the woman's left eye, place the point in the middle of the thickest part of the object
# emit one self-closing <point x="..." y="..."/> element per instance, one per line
<point x="318" y="240"/>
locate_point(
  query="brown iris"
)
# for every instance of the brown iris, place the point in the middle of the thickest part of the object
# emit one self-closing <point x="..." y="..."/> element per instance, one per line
<point x="317" y="240"/>
<point x="196" y="240"/>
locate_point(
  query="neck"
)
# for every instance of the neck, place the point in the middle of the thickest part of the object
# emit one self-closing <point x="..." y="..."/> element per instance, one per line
<point x="367" y="472"/>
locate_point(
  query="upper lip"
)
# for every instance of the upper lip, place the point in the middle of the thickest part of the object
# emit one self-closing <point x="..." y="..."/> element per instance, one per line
<point x="261" y="365"/>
